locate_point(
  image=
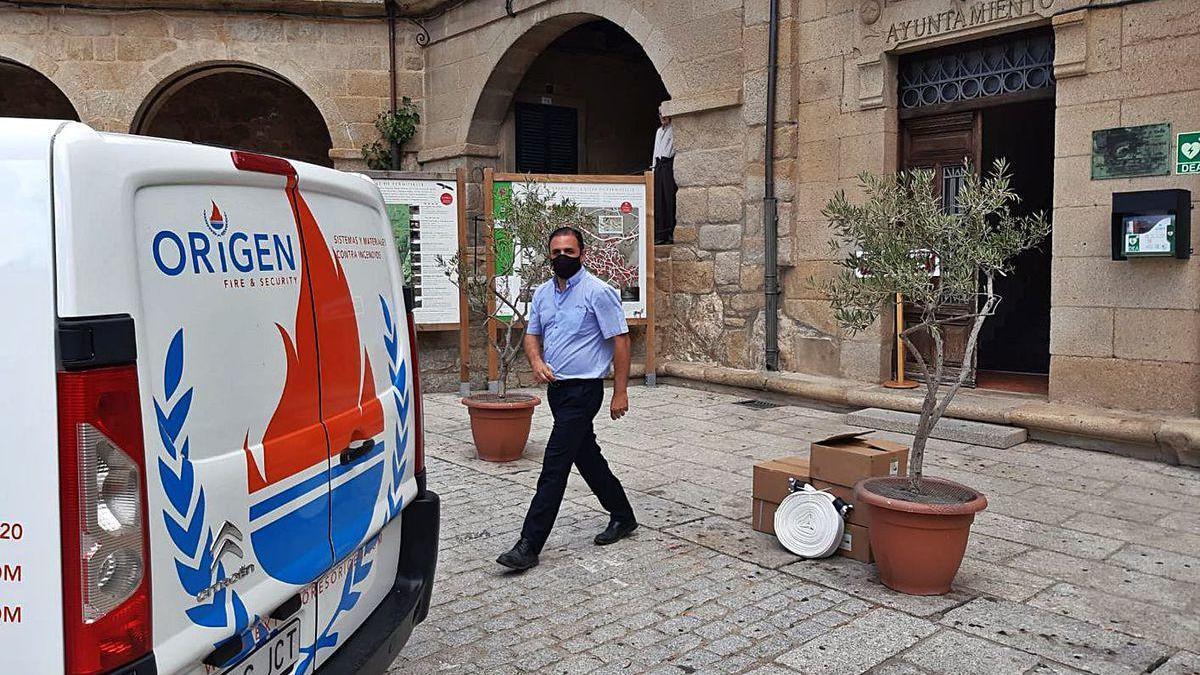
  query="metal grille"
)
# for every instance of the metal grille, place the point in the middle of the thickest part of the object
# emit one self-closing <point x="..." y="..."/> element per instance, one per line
<point x="952" y="182"/>
<point x="992" y="69"/>
<point x="758" y="405"/>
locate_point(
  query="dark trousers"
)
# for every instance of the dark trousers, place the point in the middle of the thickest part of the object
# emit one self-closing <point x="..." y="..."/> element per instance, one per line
<point x="574" y="404"/>
<point x="664" y="199"/>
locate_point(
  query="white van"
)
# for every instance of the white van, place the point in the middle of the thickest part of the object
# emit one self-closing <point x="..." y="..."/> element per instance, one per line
<point x="212" y="451"/>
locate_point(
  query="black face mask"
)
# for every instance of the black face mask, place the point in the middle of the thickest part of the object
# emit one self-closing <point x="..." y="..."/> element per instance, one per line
<point x="565" y="266"/>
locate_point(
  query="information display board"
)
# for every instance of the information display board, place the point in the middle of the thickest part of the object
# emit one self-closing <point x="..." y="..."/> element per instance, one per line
<point x="619" y="250"/>
<point x="429" y="219"/>
<point x="425" y="223"/>
<point x="614" y="231"/>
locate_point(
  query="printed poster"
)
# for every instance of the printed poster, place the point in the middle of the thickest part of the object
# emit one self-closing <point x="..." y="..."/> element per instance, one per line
<point x="424" y="216"/>
<point x="614" y="235"/>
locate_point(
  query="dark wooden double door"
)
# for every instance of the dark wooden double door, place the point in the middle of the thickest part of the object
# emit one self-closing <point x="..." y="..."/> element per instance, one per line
<point x="941" y="144"/>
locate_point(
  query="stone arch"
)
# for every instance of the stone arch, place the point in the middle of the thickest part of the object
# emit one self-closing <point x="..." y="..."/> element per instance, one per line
<point x="196" y="56"/>
<point x="527" y="36"/>
<point x="239" y="105"/>
<point x="27" y="92"/>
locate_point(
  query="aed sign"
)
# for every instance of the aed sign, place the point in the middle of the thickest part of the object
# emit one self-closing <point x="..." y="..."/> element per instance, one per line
<point x="1187" y="153"/>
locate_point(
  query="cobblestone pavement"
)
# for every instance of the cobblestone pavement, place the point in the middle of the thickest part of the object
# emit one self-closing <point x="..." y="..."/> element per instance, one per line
<point x="1083" y="561"/>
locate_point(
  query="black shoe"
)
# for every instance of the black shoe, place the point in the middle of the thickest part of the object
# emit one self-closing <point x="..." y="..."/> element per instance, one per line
<point x="663" y="242"/>
<point x="615" y="532"/>
<point x="521" y="557"/>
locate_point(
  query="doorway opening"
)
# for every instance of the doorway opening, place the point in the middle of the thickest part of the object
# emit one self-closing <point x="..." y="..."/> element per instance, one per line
<point x="587" y="104"/>
<point x="1014" y="344"/>
<point x="24" y="92"/>
<point x="982" y="101"/>
<point x="240" y="107"/>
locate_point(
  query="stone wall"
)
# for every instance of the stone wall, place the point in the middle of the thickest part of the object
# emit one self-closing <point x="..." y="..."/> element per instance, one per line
<point x="1123" y="334"/>
<point x="823" y="137"/>
<point x="109" y="63"/>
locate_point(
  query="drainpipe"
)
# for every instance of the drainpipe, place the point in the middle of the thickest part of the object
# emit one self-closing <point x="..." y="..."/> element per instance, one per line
<point x="391" y="19"/>
<point x="770" y="203"/>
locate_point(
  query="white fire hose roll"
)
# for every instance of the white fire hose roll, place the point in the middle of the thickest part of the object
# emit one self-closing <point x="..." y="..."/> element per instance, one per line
<point x="808" y="524"/>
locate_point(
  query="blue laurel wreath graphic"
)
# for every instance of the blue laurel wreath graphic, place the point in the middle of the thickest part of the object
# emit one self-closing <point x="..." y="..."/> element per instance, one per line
<point x="328" y="639"/>
<point x="401" y="396"/>
<point x="185" y="496"/>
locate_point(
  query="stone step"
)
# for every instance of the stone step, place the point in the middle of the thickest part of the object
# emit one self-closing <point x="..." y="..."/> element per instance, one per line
<point x="947" y="429"/>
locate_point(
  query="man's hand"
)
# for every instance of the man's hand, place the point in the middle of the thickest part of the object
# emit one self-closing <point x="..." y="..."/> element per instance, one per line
<point x="542" y="372"/>
<point x="620" y="404"/>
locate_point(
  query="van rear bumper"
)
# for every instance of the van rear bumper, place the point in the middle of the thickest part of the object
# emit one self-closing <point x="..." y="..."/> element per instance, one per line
<point x="376" y="644"/>
<point x="373" y="647"/>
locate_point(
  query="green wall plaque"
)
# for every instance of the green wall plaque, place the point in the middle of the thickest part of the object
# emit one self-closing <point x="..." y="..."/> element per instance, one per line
<point x="1126" y="152"/>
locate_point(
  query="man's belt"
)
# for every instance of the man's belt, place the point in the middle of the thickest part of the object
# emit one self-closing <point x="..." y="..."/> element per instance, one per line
<point x="574" y="382"/>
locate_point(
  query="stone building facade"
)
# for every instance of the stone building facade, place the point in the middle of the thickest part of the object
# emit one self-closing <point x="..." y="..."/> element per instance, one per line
<point x="1123" y="334"/>
<point x="115" y="66"/>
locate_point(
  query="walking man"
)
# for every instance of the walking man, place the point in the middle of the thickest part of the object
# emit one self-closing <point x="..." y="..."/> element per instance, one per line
<point x="576" y="331"/>
<point x="663" y="163"/>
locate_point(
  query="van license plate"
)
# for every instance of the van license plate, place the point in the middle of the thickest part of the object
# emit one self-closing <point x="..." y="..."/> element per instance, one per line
<point x="278" y="656"/>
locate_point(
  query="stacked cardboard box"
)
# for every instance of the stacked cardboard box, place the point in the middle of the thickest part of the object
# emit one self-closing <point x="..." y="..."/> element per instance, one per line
<point x="771" y="486"/>
<point x="838" y="462"/>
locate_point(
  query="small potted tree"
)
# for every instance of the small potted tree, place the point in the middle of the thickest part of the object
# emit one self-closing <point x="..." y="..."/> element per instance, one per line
<point x="500" y="420"/>
<point x="901" y="239"/>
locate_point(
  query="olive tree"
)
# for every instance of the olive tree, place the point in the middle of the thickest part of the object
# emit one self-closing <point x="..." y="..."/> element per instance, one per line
<point x="902" y="239"/>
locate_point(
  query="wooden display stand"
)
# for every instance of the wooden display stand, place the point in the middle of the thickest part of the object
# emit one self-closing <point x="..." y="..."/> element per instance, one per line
<point x="490" y="177"/>
<point x="900" y="382"/>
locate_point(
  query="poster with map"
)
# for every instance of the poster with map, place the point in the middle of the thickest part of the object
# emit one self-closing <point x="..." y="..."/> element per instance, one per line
<point x="424" y="217"/>
<point x="614" y="233"/>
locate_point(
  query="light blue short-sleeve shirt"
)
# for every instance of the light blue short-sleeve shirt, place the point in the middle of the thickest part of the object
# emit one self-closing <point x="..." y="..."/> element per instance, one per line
<point x="577" y="325"/>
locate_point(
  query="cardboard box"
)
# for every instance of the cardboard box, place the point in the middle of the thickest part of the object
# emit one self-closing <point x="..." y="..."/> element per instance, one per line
<point x="856" y="544"/>
<point x="771" y="477"/>
<point x="860" y="515"/>
<point x="847" y="458"/>
<point x="764" y="516"/>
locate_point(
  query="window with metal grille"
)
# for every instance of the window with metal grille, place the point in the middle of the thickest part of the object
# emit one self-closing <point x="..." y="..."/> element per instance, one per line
<point x="979" y="70"/>
<point x="547" y="138"/>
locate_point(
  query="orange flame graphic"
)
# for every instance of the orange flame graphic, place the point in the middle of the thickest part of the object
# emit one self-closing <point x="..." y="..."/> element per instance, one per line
<point x="328" y="371"/>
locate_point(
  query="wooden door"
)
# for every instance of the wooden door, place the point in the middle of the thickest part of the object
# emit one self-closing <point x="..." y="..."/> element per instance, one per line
<point x="941" y="143"/>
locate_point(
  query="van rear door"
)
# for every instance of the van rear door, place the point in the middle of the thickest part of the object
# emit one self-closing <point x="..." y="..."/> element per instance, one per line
<point x="208" y="261"/>
<point x="366" y="392"/>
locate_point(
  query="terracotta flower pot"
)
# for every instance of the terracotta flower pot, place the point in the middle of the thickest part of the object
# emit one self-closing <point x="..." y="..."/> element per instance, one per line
<point x="919" y="545"/>
<point x="500" y="426"/>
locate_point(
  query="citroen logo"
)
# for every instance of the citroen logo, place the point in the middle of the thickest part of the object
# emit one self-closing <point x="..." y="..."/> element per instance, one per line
<point x="227" y="543"/>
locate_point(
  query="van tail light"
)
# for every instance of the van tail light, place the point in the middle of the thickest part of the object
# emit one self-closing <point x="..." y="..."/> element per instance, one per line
<point x="105" y="543"/>
<point x="418" y="406"/>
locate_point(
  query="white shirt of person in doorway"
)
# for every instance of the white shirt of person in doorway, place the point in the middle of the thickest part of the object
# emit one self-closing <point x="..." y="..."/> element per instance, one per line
<point x="664" y="141"/>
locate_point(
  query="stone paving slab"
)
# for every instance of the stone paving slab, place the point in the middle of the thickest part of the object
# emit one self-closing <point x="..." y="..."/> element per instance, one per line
<point x="949" y="651"/>
<point x="1058" y="638"/>
<point x="1084" y="563"/>
<point x="948" y="428"/>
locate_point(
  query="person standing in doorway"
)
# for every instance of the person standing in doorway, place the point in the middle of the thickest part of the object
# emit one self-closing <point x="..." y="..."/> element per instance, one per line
<point x="576" y="331"/>
<point x="663" y="163"/>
